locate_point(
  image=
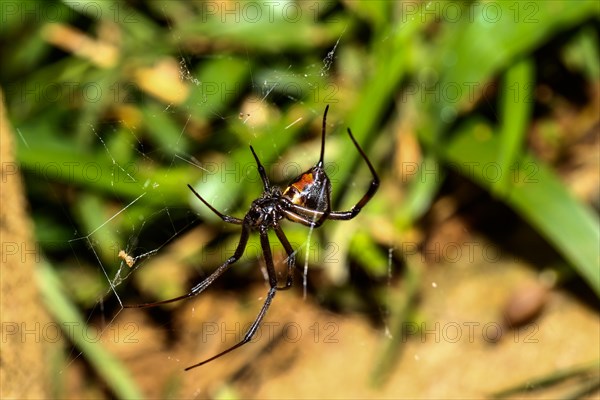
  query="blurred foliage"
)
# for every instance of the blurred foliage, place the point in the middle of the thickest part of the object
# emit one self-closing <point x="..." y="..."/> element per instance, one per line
<point x="586" y="374"/>
<point x="119" y="105"/>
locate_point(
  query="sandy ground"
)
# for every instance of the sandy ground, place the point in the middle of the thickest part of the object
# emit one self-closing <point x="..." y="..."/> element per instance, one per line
<point x="319" y="354"/>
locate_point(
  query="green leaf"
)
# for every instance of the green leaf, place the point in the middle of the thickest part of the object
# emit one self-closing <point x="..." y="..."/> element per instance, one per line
<point x="496" y="36"/>
<point x="536" y="194"/>
<point x="65" y="313"/>
<point x="515" y="109"/>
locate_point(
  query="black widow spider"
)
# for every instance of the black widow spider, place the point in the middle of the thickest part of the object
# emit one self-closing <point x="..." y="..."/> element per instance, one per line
<point x="305" y="200"/>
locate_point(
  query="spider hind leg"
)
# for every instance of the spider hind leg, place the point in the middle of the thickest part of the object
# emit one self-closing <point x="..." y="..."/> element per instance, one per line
<point x="264" y="241"/>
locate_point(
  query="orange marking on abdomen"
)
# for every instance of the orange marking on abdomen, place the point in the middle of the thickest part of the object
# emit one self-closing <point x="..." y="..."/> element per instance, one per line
<point x="305" y="180"/>
<point x="295" y="191"/>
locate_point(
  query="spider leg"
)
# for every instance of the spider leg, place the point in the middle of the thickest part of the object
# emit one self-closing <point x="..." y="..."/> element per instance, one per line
<point x="261" y="171"/>
<point x="264" y="241"/>
<point x="297" y="216"/>
<point x="367" y="196"/>
<point x="301" y="214"/>
<point x="323" y="129"/>
<point x="199" y="288"/>
<point x="306" y="216"/>
<point x="226" y="218"/>
<point x="291" y="260"/>
<point x="251" y="332"/>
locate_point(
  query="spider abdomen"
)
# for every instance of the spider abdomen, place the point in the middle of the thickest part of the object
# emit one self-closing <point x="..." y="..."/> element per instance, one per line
<point x="310" y="189"/>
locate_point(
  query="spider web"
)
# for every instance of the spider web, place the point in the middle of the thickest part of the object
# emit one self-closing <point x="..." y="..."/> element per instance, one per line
<point x="150" y="234"/>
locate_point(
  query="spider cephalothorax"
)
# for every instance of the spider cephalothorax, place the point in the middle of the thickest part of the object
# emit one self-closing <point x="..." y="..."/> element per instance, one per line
<point x="305" y="200"/>
<point x="265" y="211"/>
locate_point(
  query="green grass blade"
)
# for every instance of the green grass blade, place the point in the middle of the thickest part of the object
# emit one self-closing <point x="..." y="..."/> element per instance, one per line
<point x="402" y="313"/>
<point x="536" y="194"/>
<point x="555" y="378"/>
<point x="486" y="44"/>
<point x="64" y="312"/>
<point x="515" y="108"/>
<point x="420" y="193"/>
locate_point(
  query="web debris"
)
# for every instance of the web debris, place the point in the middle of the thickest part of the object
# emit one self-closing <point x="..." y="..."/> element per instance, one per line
<point x="185" y="74"/>
<point x="386" y="314"/>
<point x="328" y="60"/>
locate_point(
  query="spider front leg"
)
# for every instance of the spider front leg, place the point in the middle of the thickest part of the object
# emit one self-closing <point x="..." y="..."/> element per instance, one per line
<point x="261" y="171"/>
<point x="199" y="288"/>
<point x="264" y="242"/>
<point x="226" y="218"/>
<point x="353" y="212"/>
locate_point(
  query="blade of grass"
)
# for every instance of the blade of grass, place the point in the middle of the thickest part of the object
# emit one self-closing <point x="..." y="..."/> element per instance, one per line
<point x="548" y="381"/>
<point x="166" y="132"/>
<point x="269" y="35"/>
<point x="393" y="56"/>
<point x="479" y="47"/>
<point x="105" y="364"/>
<point x="363" y="248"/>
<point x="49" y="162"/>
<point x="536" y="194"/>
<point x="585" y="52"/>
<point x="92" y="212"/>
<point x="515" y="109"/>
<point x="402" y="315"/>
<point x="221" y="80"/>
<point x="420" y="193"/>
<point x="484" y="45"/>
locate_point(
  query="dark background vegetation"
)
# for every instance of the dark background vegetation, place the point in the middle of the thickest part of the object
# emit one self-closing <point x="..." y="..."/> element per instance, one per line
<point x="482" y="119"/>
